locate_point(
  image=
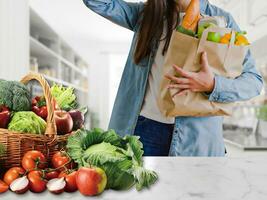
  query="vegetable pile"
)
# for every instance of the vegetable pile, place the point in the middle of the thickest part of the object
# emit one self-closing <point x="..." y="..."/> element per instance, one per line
<point x="94" y="161"/>
<point x="120" y="158"/>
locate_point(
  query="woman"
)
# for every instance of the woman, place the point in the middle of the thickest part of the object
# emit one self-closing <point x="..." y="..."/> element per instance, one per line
<point x="135" y="110"/>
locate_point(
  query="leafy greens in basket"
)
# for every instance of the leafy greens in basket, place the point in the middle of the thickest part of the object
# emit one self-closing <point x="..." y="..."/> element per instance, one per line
<point x="64" y="96"/>
<point x="120" y="158"/>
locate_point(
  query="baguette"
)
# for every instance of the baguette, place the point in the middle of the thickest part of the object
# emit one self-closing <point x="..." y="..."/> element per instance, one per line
<point x="192" y="16"/>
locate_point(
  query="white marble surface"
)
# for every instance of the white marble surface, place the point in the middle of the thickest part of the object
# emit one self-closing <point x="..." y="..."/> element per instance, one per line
<point x="188" y="179"/>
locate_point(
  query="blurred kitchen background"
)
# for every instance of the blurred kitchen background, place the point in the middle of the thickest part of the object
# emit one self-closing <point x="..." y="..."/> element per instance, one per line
<point x="71" y="45"/>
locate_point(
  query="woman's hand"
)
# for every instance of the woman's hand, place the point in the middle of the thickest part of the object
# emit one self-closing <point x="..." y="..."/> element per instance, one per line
<point x="202" y="81"/>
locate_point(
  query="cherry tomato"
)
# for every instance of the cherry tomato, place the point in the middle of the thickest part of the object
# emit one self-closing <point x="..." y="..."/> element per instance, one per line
<point x="3" y="187"/>
<point x="37" y="182"/>
<point x="70" y="178"/>
<point x="33" y="160"/>
<point x="12" y="174"/>
<point x="51" y="175"/>
<point x="60" y="159"/>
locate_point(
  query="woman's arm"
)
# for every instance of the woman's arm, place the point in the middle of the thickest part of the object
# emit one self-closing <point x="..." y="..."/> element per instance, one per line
<point x="118" y="11"/>
<point x="246" y="86"/>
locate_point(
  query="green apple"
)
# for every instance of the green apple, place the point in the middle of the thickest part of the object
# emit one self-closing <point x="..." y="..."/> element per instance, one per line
<point x="214" y="37"/>
<point x="202" y="27"/>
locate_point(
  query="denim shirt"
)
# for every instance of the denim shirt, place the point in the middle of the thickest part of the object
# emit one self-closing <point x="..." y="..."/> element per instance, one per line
<point x="192" y="136"/>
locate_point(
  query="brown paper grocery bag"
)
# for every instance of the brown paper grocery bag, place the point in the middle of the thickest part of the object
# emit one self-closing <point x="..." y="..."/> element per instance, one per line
<point x="184" y="51"/>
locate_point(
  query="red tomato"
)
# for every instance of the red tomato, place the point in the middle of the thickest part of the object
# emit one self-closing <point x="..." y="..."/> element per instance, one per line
<point x="12" y="174"/>
<point x="3" y="187"/>
<point x="60" y="159"/>
<point x="70" y="179"/>
<point x="37" y="182"/>
<point x="33" y="160"/>
<point x="51" y="175"/>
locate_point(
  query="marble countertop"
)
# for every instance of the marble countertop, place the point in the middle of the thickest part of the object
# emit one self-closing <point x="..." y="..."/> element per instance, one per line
<point x="187" y="179"/>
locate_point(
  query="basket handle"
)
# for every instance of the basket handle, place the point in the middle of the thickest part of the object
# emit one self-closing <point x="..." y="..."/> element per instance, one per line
<point x="51" y="129"/>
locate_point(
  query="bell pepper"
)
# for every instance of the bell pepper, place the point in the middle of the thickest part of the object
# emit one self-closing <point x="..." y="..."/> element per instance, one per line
<point x="39" y="107"/>
<point x="41" y="112"/>
<point x="5" y="115"/>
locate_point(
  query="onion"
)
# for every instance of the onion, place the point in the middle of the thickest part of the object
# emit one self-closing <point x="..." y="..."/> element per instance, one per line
<point x="56" y="185"/>
<point x="20" y="185"/>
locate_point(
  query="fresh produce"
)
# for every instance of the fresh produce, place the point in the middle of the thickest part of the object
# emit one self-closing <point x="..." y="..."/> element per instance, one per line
<point x="3" y="187"/>
<point x="120" y="158"/>
<point x="70" y="178"/>
<point x="191" y="18"/>
<point x="5" y="115"/>
<point x="15" y="96"/>
<point x="64" y="96"/>
<point x="20" y="185"/>
<point x="27" y="122"/>
<point x="51" y="174"/>
<point x="214" y="37"/>
<point x="39" y="107"/>
<point x="37" y="181"/>
<point x="185" y="31"/>
<point x="33" y="160"/>
<point x="12" y="174"/>
<point x="64" y="122"/>
<point x="78" y="118"/>
<point x="226" y="38"/>
<point x="61" y="161"/>
<point x="202" y="27"/>
<point x="56" y="185"/>
<point x="241" y="39"/>
<point x="91" y="181"/>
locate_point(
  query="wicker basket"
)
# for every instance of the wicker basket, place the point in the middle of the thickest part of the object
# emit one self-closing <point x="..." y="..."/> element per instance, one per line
<point x="17" y="144"/>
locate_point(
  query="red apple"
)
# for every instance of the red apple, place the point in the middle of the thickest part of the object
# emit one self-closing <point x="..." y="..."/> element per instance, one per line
<point x="91" y="181"/>
<point x="64" y="122"/>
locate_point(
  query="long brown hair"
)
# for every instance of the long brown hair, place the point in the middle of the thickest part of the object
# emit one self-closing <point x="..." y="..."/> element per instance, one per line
<point x="153" y="17"/>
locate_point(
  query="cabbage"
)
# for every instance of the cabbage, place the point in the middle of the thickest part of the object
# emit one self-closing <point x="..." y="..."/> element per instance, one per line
<point x="27" y="122"/>
<point x="120" y="158"/>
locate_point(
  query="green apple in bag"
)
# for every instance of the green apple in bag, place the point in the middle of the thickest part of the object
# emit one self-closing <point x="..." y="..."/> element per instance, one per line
<point x="202" y="27"/>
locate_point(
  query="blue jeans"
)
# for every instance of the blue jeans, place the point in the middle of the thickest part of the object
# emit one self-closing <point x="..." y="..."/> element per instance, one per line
<point x="155" y="136"/>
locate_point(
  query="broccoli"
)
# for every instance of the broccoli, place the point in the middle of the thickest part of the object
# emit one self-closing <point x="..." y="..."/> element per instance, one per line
<point x="15" y="96"/>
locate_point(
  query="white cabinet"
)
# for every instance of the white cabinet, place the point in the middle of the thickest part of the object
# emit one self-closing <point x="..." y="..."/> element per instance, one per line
<point x="28" y="43"/>
<point x="14" y="43"/>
